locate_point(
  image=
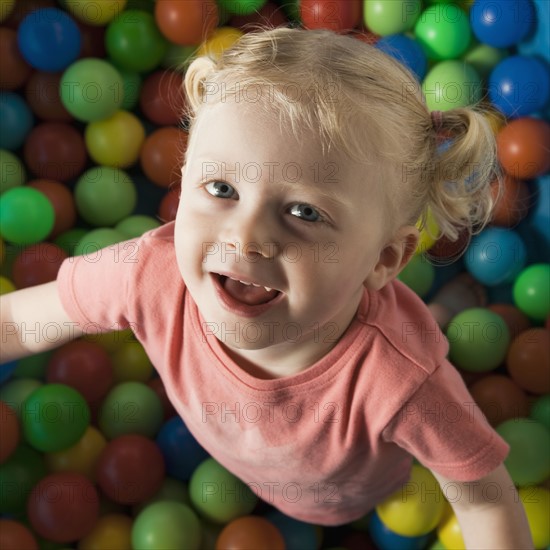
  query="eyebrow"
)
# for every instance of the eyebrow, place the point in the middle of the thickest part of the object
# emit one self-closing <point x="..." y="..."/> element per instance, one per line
<point x="305" y="184"/>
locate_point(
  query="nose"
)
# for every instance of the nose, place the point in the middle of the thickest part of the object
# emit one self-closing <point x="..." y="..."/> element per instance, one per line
<point x="251" y="235"/>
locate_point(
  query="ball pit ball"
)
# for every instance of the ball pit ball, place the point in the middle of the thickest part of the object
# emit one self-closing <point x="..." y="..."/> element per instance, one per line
<point x="218" y="495"/>
<point x="499" y="398"/>
<point x="16" y="121"/>
<point x="528" y="360"/>
<point x="37" y="264"/>
<point x="95" y="13"/>
<point x="528" y="461"/>
<point x="388" y="18"/>
<point x="512" y="204"/>
<point x="536" y="503"/>
<point x="449" y="531"/>
<point x="407" y="51"/>
<point x="26" y="216"/>
<point x="515" y="320"/>
<point x="15" y="536"/>
<point x="337" y="16"/>
<point x="11" y="433"/>
<point x="531" y="292"/>
<point x="522" y="147"/>
<point x="540" y="410"/>
<point x="6" y="7"/>
<point x="410" y="512"/>
<point x="92" y="242"/>
<point x="131" y="363"/>
<point x="162" y="99"/>
<point x="478" y="340"/>
<point x="167" y="525"/>
<point x="63" y="507"/>
<point x="54" y="417"/>
<point x="134" y="226"/>
<point x="112" y="531"/>
<point x="12" y="171"/>
<point x="14" y="392"/>
<point x="386" y="539"/>
<point x="14" y="70"/>
<point x="250" y="532"/>
<point x="130" y="469"/>
<point x="186" y="24"/>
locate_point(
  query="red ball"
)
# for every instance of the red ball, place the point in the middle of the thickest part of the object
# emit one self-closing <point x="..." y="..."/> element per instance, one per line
<point x="56" y="151"/>
<point x="513" y="204"/>
<point x="161" y="98"/>
<point x="42" y="95"/>
<point x="14" y="70"/>
<point x="515" y="319"/>
<point x="157" y="386"/>
<point x="93" y="41"/>
<point x="15" y="536"/>
<point x="250" y="532"/>
<point x="63" y="507"/>
<point x="161" y="155"/>
<point x="37" y="264"/>
<point x="63" y="204"/>
<point x="186" y="23"/>
<point x="130" y="469"/>
<point x="10" y="432"/>
<point x="523" y="146"/>
<point x="336" y="15"/>
<point x="169" y="205"/>
<point x="84" y="366"/>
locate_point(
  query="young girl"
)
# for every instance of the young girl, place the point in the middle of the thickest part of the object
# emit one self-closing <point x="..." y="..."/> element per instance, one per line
<point x="270" y="307"/>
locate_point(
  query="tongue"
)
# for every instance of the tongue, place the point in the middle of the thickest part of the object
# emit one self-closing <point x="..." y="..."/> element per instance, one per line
<point x="248" y="294"/>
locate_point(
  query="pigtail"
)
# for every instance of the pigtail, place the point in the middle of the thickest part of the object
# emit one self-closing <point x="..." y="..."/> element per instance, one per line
<point x="460" y="196"/>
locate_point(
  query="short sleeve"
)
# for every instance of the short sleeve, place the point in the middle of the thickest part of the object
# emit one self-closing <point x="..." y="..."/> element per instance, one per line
<point x="444" y="429"/>
<point x="93" y="287"/>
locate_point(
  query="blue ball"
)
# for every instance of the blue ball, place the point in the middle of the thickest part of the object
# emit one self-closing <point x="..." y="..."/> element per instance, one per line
<point x="386" y="539"/>
<point x="539" y="217"/>
<point x="6" y="370"/>
<point x="49" y="39"/>
<point x="537" y="42"/>
<point x="407" y="51"/>
<point x="16" y="121"/>
<point x="502" y="24"/>
<point x="519" y="86"/>
<point x="495" y="256"/>
<point x="181" y="452"/>
<point x="296" y="534"/>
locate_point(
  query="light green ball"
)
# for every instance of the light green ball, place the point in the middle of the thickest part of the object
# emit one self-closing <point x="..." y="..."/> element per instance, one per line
<point x="540" y="410"/>
<point x="484" y="58"/>
<point x="478" y="340"/>
<point x="241" y="7"/>
<point x="531" y="291"/>
<point x="15" y="391"/>
<point x="92" y="243"/>
<point x="418" y="275"/>
<point x="385" y="18"/>
<point x="104" y="195"/>
<point x="135" y="226"/>
<point x="12" y="171"/>
<point x="219" y="495"/>
<point x="451" y="85"/>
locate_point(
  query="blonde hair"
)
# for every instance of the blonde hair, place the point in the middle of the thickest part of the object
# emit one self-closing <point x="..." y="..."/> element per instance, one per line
<point x="366" y="104"/>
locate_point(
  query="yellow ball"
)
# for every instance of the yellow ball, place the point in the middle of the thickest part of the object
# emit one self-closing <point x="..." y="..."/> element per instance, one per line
<point x="6" y="286"/>
<point x="81" y="457"/>
<point x="536" y="502"/>
<point x="131" y="363"/>
<point x="416" y="508"/>
<point x="6" y="7"/>
<point x="95" y="12"/>
<point x="111" y="341"/>
<point x="221" y="39"/>
<point x="115" y="141"/>
<point x="113" y="531"/>
<point x="429" y="233"/>
<point x="449" y="532"/>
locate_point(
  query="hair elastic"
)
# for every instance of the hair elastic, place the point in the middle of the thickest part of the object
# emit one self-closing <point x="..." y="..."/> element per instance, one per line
<point x="437" y="120"/>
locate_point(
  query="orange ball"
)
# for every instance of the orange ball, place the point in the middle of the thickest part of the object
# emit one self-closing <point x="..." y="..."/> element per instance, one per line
<point x="515" y="319"/>
<point x="336" y="15"/>
<point x="42" y="95"/>
<point x="112" y="531"/>
<point x="162" y="155"/>
<point x="250" y="532"/>
<point x="9" y="428"/>
<point x="528" y="360"/>
<point x="161" y="98"/>
<point x="14" y="70"/>
<point x="15" y="536"/>
<point x="499" y="398"/>
<point x="168" y="207"/>
<point x="523" y="147"/>
<point x="513" y="204"/>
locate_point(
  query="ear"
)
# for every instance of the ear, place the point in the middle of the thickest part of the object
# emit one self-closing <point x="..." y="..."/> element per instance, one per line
<point x="394" y="256"/>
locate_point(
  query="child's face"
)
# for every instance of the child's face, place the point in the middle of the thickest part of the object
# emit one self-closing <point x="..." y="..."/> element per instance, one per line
<point x="264" y="207"/>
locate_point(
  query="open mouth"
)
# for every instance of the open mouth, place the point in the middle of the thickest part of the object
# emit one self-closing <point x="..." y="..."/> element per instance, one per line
<point x="247" y="293"/>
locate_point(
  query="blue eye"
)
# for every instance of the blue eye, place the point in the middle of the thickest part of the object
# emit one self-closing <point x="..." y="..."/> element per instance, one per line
<point x="305" y="212"/>
<point x="220" y="189"/>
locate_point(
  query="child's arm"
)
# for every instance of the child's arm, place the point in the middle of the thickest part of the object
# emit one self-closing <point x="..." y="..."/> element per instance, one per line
<point x="33" y="321"/>
<point x="497" y="524"/>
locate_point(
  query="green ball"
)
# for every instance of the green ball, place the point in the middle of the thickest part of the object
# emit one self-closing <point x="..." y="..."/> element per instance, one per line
<point x="532" y="291"/>
<point x="135" y="226"/>
<point x="178" y="57"/>
<point x="443" y="31"/>
<point x="134" y="41"/>
<point x="219" y="495"/>
<point x="241" y="7"/>
<point x="171" y="489"/>
<point x="385" y="18"/>
<point x="69" y="240"/>
<point x="12" y="171"/>
<point x="528" y="462"/>
<point x="91" y="89"/>
<point x="26" y="215"/>
<point x="18" y="475"/>
<point x="478" y="340"/>
<point x="93" y="243"/>
<point x="33" y="366"/>
<point x="418" y="275"/>
<point x="54" y="417"/>
<point x="168" y="525"/>
<point x="104" y="195"/>
<point x="15" y="392"/>
<point x="131" y="83"/>
<point x="130" y="408"/>
<point x="451" y="85"/>
<point x="484" y="58"/>
<point x="540" y="410"/>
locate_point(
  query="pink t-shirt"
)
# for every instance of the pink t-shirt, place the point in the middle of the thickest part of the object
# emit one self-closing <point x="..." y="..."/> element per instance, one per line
<point x="325" y="445"/>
